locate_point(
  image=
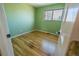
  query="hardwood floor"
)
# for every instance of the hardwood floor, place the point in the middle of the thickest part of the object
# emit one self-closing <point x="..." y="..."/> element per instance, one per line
<point x="35" y="44"/>
<point x="73" y="49"/>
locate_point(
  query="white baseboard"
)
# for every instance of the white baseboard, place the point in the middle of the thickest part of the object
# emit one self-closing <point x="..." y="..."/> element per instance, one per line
<point x="46" y="32"/>
<point x="30" y="32"/>
<point x="21" y="34"/>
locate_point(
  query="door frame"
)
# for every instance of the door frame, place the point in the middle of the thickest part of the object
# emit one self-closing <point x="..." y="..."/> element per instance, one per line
<point x="5" y="43"/>
<point x="59" y="46"/>
<point x="63" y="47"/>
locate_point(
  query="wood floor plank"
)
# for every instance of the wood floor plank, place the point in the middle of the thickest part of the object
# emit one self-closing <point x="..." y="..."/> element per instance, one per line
<point x="31" y="44"/>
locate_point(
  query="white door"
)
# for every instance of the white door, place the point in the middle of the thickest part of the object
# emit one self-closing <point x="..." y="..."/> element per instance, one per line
<point x="5" y="43"/>
<point x="69" y="19"/>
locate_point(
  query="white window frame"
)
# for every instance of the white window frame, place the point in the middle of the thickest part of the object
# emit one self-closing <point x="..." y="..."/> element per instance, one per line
<point x="49" y="19"/>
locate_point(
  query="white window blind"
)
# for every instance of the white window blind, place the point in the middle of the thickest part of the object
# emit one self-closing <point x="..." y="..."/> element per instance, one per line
<point x="53" y="14"/>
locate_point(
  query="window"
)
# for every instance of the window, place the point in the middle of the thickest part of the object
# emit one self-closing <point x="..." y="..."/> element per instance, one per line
<point x="57" y="14"/>
<point x="71" y="14"/>
<point x="54" y="14"/>
<point x="48" y="15"/>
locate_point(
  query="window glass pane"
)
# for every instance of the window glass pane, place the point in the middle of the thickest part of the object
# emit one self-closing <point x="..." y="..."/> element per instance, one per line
<point x="45" y="15"/>
<point x="48" y="15"/>
<point x="57" y="14"/>
<point x="71" y="15"/>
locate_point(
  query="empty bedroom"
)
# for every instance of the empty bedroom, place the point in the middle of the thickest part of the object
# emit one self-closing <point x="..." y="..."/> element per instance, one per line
<point x="39" y="29"/>
<point x="34" y="28"/>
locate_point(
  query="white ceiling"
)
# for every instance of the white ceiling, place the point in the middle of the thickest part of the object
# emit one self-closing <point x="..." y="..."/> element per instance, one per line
<point x="39" y="4"/>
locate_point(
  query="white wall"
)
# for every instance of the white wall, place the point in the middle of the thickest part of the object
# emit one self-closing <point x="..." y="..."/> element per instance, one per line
<point x="75" y="32"/>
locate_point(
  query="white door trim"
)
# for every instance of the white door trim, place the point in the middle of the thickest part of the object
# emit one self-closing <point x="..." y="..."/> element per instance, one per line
<point x="66" y="30"/>
<point x="5" y="43"/>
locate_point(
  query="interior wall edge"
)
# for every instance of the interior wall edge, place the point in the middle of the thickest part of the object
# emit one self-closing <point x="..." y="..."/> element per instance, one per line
<point x="46" y="32"/>
<point x="32" y="31"/>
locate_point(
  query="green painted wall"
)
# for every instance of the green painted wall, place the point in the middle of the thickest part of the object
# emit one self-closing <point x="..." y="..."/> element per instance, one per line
<point x="49" y="26"/>
<point x="25" y="18"/>
<point x="20" y="18"/>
